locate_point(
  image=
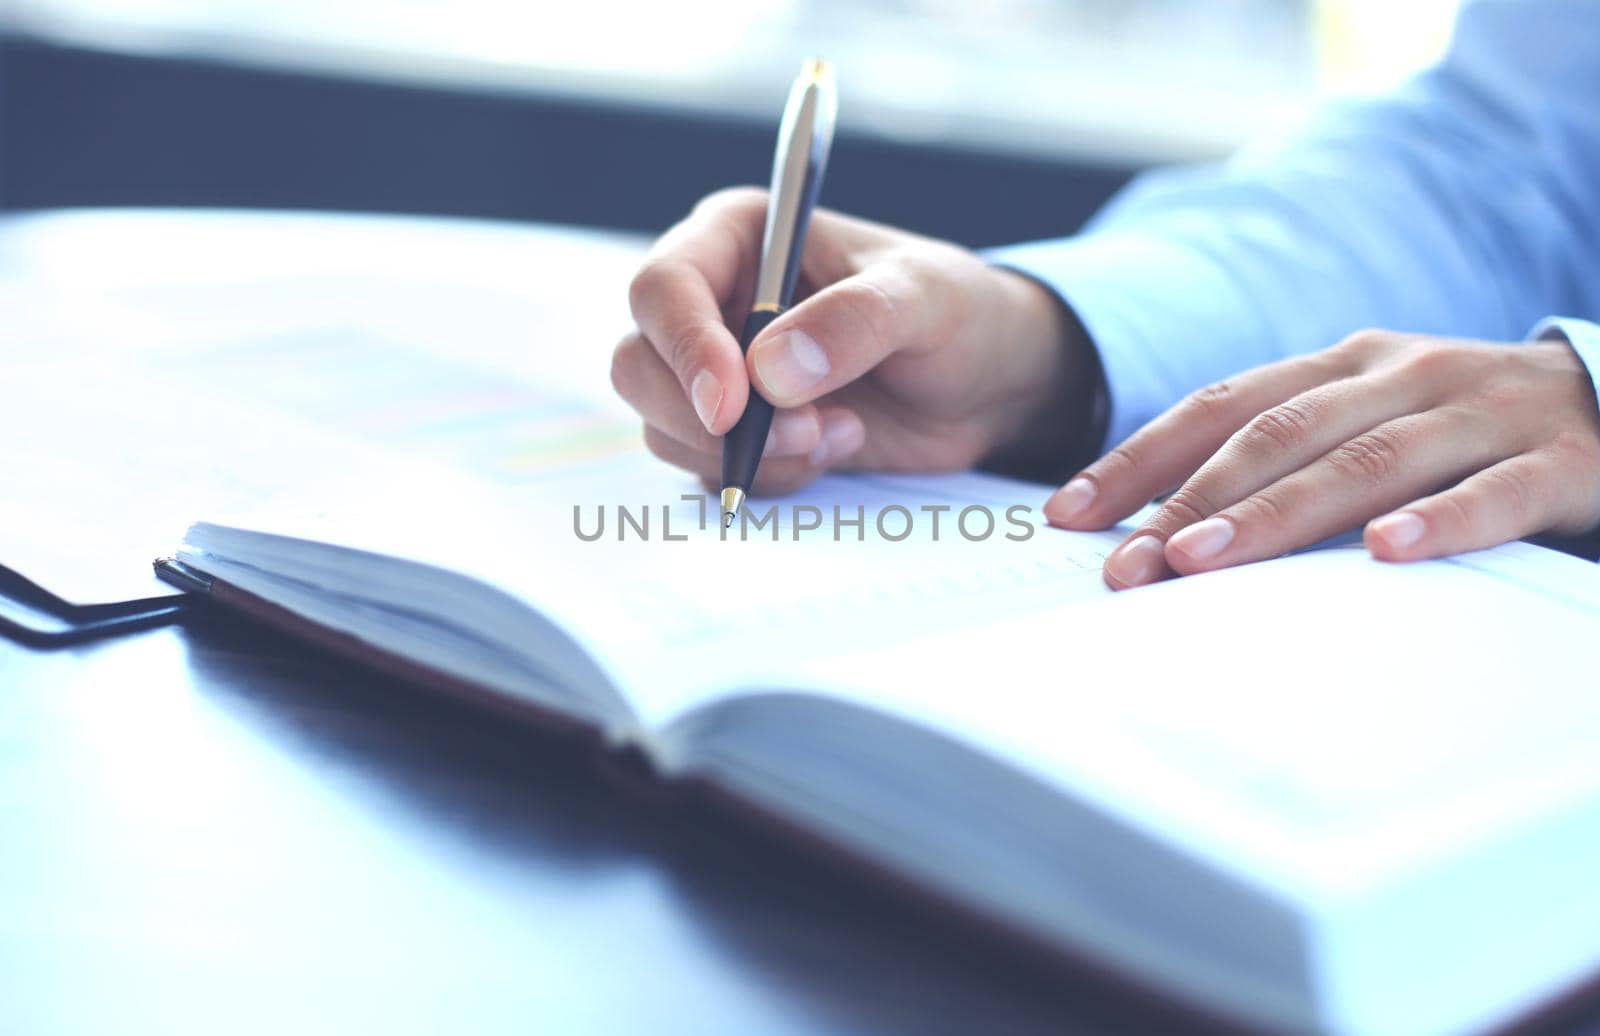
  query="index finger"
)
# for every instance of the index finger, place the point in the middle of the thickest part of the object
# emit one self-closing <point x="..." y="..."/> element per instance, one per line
<point x="679" y="294"/>
<point x="1160" y="456"/>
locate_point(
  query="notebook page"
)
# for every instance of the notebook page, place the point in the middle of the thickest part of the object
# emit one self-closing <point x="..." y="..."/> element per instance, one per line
<point x="1321" y="721"/>
<point x="104" y="469"/>
<point x="196" y="359"/>
<point x="684" y="621"/>
<point x="730" y="610"/>
<point x="678" y="609"/>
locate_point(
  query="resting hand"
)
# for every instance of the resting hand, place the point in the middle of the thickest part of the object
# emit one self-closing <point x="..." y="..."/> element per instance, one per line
<point x="904" y="354"/>
<point x="1438" y="446"/>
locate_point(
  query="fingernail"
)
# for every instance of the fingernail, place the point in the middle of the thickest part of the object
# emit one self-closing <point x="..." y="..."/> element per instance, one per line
<point x="842" y="435"/>
<point x="705" y="391"/>
<point x="1069" y="501"/>
<point x="791" y="434"/>
<point x="1203" y="540"/>
<point x="789" y="364"/>
<point x="1400" y="530"/>
<point x="1136" y="563"/>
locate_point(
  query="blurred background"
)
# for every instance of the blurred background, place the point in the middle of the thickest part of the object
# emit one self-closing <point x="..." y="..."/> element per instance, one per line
<point x="980" y="122"/>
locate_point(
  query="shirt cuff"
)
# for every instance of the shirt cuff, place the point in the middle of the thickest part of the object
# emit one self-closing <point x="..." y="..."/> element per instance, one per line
<point x="1583" y="336"/>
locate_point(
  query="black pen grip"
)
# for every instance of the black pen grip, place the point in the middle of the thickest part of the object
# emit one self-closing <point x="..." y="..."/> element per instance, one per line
<point x="742" y="446"/>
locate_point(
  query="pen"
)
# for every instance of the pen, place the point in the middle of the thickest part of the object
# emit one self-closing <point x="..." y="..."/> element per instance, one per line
<point x="797" y="167"/>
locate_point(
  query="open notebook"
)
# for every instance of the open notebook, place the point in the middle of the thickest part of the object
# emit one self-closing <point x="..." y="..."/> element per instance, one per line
<point x="1319" y="793"/>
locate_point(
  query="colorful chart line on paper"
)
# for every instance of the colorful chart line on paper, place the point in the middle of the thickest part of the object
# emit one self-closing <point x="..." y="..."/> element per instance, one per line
<point x="470" y="417"/>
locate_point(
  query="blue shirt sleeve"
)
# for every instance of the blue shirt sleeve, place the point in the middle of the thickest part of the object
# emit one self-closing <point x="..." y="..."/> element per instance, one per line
<point x="1466" y="204"/>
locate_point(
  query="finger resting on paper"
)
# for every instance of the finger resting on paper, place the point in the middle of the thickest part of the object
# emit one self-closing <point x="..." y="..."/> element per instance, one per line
<point x="1169" y="449"/>
<point x="1518" y="497"/>
<point x="1371" y="473"/>
<point x="1284" y="439"/>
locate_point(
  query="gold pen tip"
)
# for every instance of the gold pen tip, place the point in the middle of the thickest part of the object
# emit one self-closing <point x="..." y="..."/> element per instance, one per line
<point x="817" y="70"/>
<point x="732" y="500"/>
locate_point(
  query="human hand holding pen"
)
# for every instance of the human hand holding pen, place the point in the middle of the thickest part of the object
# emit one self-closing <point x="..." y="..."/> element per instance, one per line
<point x="903" y="354"/>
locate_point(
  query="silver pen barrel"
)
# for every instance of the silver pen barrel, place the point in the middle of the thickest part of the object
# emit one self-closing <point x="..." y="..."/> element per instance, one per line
<point x="804" y="140"/>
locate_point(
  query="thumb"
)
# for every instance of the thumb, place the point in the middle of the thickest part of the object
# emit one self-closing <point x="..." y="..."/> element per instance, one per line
<point x="848" y="328"/>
